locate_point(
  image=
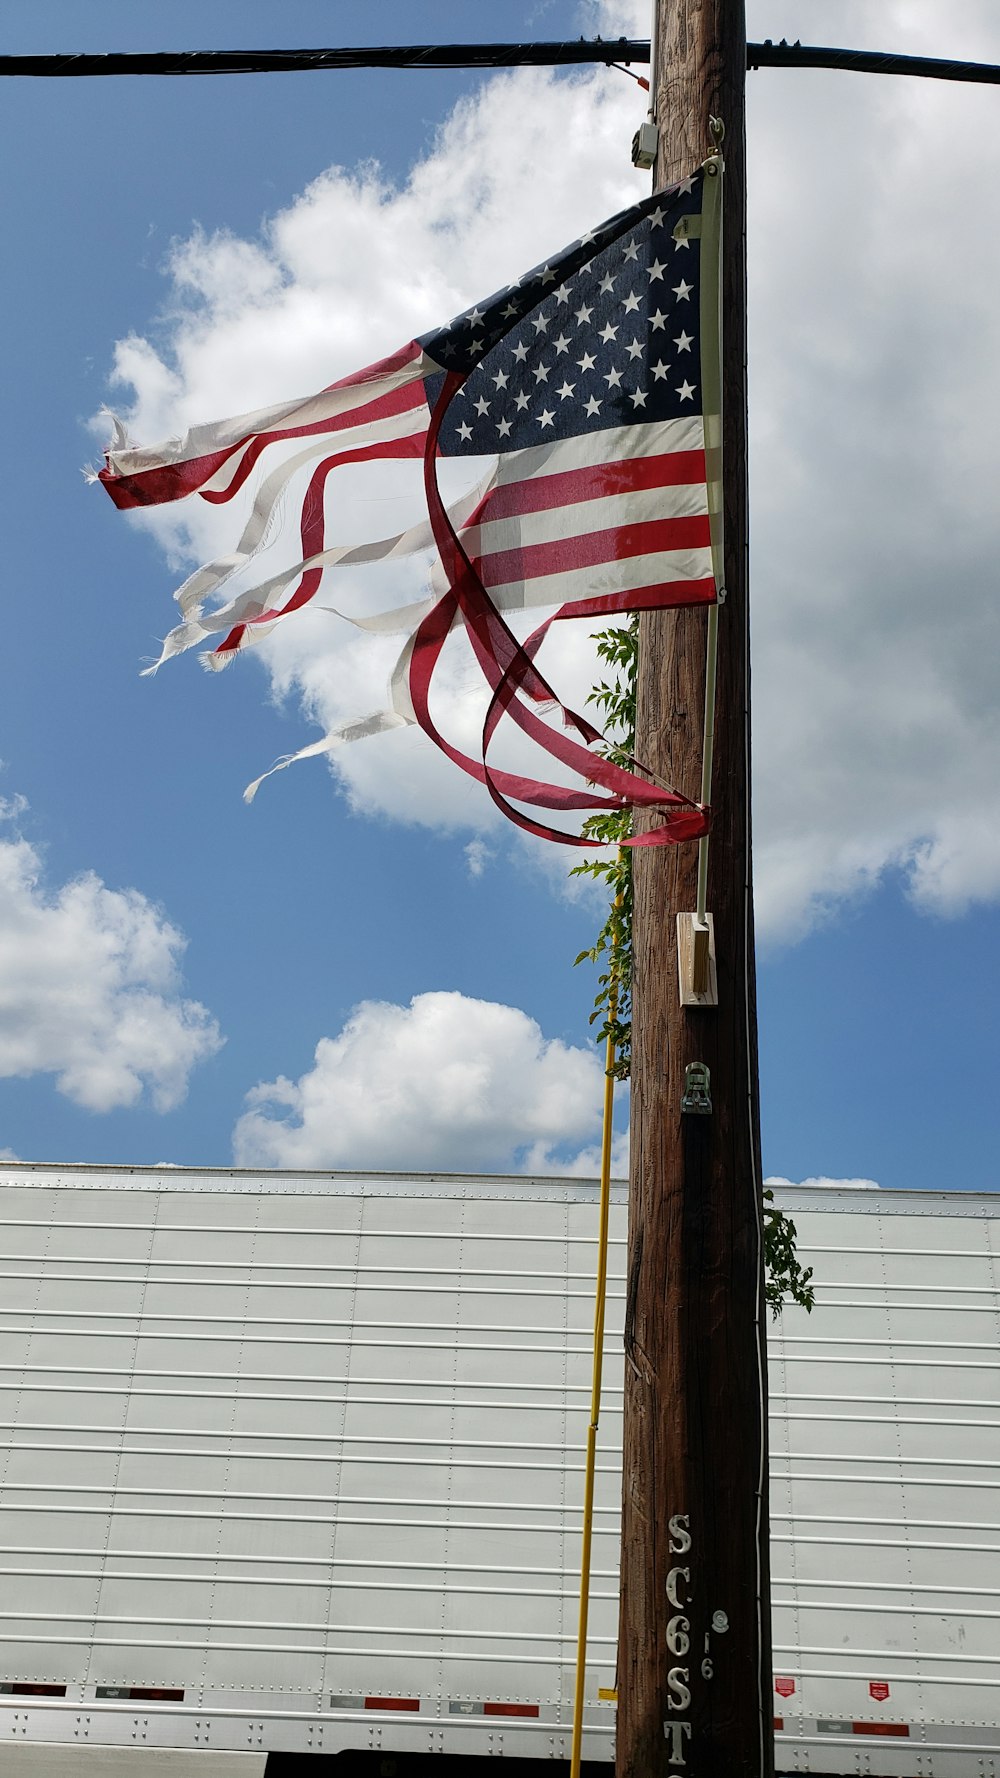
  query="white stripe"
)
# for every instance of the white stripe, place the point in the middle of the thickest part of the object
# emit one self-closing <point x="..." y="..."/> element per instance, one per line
<point x="660" y="569"/>
<point x="257" y="599"/>
<point x="412" y="422"/>
<point x="558" y="523"/>
<point x="650" y="440"/>
<point x="327" y="404"/>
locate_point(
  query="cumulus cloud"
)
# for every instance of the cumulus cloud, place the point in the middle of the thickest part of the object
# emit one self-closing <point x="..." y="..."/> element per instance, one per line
<point x="90" y="989"/>
<point x="875" y="375"/>
<point x="447" y="1082"/>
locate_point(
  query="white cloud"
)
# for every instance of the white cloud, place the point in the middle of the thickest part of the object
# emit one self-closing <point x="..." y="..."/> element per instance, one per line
<point x="875" y="376"/>
<point x="447" y="1082"/>
<point x="89" y="990"/>
<point x="477" y="856"/>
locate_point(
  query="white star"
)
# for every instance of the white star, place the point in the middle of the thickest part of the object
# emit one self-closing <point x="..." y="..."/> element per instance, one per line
<point x="566" y="390"/>
<point x="682" y="291"/>
<point x="686" y="186"/>
<point x="510" y="312"/>
<point x="683" y="342"/>
<point x="613" y="379"/>
<point x="586" y="362"/>
<point x="465" y="430"/>
<point x="546" y="417"/>
<point x="632" y="250"/>
<point x="658" y="321"/>
<point x="474" y="317"/>
<point x="562" y="294"/>
<point x="606" y="285"/>
<point x="541" y="373"/>
<point x="660" y="370"/>
<point x="587" y="239"/>
<point x="548" y="275"/>
<point x="521" y="351"/>
<point x="476" y="345"/>
<point x="638" y="398"/>
<point x="482" y="405"/>
<point x="540" y="323"/>
<point x="634" y="349"/>
<point x="655" y="271"/>
<point x="656" y="218"/>
<point x="681" y="241"/>
<point x="608" y="334"/>
<point x="500" y="380"/>
<point x="503" y="428"/>
<point x="561" y="344"/>
<point x="583" y="314"/>
<point x="592" y="406"/>
<point x="686" y="391"/>
<point x="521" y="401"/>
<point x="631" y="303"/>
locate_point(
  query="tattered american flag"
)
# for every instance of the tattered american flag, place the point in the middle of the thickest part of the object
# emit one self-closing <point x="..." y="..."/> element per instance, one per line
<point x="594" y="381"/>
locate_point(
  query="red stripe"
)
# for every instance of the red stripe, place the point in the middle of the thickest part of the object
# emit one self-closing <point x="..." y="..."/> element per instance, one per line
<point x="313" y="529"/>
<point x="398" y="401"/>
<point x="171" y="481"/>
<point x="510" y="1709"/>
<point x="596" y="482"/>
<point x="392" y="1703"/>
<point x="880" y="1728"/>
<point x="508" y="668"/>
<point x="664" y="597"/>
<point x="533" y="561"/>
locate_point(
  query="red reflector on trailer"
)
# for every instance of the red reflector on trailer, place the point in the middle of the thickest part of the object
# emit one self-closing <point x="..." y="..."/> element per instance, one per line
<point x="510" y="1709"/>
<point x="33" y="1689"/>
<point x="880" y="1728"/>
<point x="779" y="1722"/>
<point x="392" y="1703"/>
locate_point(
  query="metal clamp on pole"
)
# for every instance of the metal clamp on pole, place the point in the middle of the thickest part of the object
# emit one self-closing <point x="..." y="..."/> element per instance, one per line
<point x="697" y="1100"/>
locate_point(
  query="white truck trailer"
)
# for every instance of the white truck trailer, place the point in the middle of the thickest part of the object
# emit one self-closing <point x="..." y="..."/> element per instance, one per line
<point x="292" y="1465"/>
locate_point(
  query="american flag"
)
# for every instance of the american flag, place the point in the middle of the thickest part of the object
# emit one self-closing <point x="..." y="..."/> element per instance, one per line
<point x="593" y="381"/>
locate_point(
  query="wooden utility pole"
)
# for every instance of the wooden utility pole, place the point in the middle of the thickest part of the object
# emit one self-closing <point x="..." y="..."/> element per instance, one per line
<point x="694" y="1669"/>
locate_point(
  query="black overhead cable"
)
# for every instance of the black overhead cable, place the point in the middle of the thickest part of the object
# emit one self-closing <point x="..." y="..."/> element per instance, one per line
<point x="478" y="55"/>
<point x="868" y="61"/>
<point x="298" y="61"/>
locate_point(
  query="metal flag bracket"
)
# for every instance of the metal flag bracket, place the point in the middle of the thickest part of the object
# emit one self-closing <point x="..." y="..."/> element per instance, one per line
<point x="696" y="964"/>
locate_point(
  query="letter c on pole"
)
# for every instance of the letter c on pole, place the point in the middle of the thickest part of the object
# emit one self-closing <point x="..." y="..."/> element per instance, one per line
<point x="672" y="1579"/>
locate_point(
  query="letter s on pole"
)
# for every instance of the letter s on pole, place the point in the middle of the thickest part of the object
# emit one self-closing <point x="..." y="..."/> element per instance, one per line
<point x="680" y="1536"/>
<point x="680" y="1691"/>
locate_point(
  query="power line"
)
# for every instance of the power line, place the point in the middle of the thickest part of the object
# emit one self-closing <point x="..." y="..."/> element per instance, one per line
<point x="868" y="61"/>
<point x="299" y="61"/>
<point x="577" y="53"/>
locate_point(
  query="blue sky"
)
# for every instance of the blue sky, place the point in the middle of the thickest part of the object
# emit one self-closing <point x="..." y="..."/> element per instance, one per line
<point x="164" y="950"/>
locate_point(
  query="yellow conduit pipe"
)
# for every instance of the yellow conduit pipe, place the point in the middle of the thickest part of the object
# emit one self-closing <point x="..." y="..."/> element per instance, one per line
<point x="595" y="1393"/>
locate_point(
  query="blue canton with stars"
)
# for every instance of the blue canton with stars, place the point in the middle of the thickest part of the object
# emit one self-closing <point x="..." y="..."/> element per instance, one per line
<point x="605" y="334"/>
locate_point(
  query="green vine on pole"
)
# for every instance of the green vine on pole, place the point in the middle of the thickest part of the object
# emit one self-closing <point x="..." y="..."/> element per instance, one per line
<point x="785" y="1279"/>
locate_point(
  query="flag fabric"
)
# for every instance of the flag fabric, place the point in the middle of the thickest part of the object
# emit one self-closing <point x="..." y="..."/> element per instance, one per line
<point x="594" y="383"/>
